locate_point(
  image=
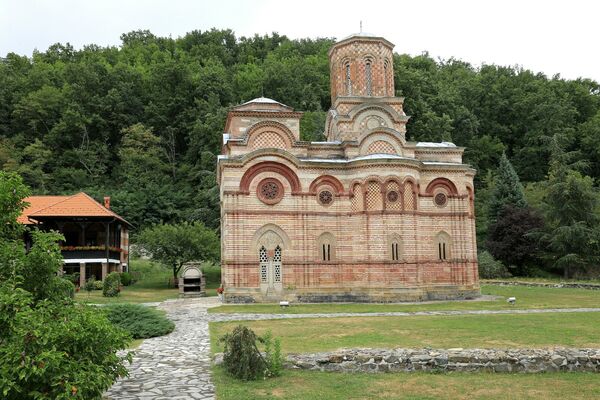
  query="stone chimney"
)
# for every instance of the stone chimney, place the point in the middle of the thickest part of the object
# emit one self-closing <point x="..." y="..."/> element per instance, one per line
<point x="107" y="202"/>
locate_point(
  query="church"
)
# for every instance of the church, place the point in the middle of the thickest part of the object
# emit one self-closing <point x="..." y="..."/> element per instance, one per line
<point x="365" y="216"/>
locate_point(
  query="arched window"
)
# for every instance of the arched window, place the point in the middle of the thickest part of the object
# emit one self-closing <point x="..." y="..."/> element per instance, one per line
<point x="348" y="79"/>
<point x="264" y="264"/>
<point x="385" y="78"/>
<point x="395" y="247"/>
<point x="326" y="247"/>
<point x="442" y="246"/>
<point x="368" y="78"/>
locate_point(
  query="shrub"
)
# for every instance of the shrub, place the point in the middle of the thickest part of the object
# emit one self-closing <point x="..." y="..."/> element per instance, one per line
<point x="140" y="321"/>
<point x="98" y="285"/>
<point x="90" y="284"/>
<point x="243" y="359"/>
<point x="112" y="284"/>
<point x="490" y="268"/>
<point x="273" y="356"/>
<point x="126" y="278"/>
<point x="212" y="273"/>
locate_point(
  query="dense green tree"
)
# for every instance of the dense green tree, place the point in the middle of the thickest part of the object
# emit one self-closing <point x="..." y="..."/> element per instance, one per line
<point x="174" y="245"/>
<point x="50" y="348"/>
<point x="573" y="225"/>
<point x="508" y="190"/>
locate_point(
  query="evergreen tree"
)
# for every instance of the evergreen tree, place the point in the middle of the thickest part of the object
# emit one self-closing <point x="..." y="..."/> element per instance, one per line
<point x="571" y="237"/>
<point x="508" y="190"/>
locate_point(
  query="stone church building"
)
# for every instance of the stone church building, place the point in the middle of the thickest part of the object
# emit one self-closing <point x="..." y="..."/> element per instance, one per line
<point x="365" y="216"/>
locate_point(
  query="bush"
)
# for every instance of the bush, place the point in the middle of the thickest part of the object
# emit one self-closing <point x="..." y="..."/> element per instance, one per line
<point x="112" y="284"/>
<point x="490" y="268"/>
<point x="98" y="285"/>
<point x="243" y="360"/>
<point x="90" y="284"/>
<point x="140" y="321"/>
<point x="126" y="278"/>
<point x="212" y="274"/>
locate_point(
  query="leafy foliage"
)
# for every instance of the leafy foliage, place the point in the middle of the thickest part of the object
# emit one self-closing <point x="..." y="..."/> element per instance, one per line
<point x="175" y="245"/>
<point x="50" y="348"/>
<point x="507" y="190"/>
<point x="140" y="321"/>
<point x="126" y="279"/>
<point x="490" y="268"/>
<point x="112" y="285"/>
<point x="243" y="359"/>
<point x="509" y="238"/>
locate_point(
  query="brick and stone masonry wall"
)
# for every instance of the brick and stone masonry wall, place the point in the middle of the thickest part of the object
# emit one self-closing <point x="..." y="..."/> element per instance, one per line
<point x="466" y="360"/>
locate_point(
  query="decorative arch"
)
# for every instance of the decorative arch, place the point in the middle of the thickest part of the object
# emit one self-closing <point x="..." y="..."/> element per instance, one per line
<point x="443" y="182"/>
<point x="391" y="144"/>
<point x="270" y="166"/>
<point x="410" y="199"/>
<point x="326" y="180"/>
<point x="326" y="245"/>
<point x="384" y="109"/>
<point x="471" y="196"/>
<point x="270" y="126"/>
<point x="270" y="236"/>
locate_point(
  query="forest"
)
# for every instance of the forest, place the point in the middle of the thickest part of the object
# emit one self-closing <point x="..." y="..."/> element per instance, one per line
<point x="142" y="123"/>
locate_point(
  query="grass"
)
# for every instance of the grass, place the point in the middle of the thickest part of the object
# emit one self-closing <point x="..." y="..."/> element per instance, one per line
<point x="527" y="297"/>
<point x="135" y="343"/>
<point x="467" y="331"/>
<point x="151" y="287"/>
<point x="310" y="385"/>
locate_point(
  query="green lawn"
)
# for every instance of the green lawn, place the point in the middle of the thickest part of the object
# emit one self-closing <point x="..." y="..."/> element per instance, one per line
<point x="309" y="385"/>
<point x="527" y="297"/>
<point x="467" y="331"/>
<point x="151" y="287"/>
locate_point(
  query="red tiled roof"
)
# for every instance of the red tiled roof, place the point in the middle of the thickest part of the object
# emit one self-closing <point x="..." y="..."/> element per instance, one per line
<point x="78" y="205"/>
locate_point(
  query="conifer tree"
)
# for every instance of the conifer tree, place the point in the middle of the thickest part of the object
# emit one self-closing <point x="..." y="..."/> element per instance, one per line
<point x="508" y="190"/>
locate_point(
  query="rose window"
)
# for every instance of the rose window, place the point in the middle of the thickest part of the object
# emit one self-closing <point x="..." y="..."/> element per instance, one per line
<point x="270" y="191"/>
<point x="325" y="197"/>
<point x="440" y="199"/>
<point x="392" y="196"/>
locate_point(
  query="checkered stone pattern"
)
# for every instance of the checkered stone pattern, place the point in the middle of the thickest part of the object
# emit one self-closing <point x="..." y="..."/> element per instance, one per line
<point x="267" y="140"/>
<point x="409" y="197"/>
<point x="373" y="197"/>
<point x="357" y="199"/>
<point x="381" y="147"/>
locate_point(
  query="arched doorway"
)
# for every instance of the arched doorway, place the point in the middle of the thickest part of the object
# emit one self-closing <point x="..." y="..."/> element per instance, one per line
<point x="269" y="244"/>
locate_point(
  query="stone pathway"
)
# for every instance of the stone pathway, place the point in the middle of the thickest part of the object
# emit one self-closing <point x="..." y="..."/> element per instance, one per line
<point x="177" y="366"/>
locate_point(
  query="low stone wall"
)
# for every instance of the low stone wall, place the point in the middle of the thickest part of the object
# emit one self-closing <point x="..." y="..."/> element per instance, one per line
<point x="471" y="360"/>
<point x="570" y="285"/>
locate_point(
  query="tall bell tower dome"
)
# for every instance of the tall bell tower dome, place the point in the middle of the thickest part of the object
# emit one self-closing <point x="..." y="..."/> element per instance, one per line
<point x="361" y="65"/>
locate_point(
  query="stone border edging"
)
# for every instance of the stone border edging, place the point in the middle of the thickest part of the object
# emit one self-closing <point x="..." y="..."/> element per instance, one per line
<point x="560" y="285"/>
<point x="446" y="360"/>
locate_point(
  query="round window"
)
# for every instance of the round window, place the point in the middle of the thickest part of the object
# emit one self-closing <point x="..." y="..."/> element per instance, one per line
<point x="440" y="199"/>
<point x="270" y="191"/>
<point x="392" y="196"/>
<point x="325" y="197"/>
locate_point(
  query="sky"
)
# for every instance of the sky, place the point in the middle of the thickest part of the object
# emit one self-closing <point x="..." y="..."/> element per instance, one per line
<point x="553" y="37"/>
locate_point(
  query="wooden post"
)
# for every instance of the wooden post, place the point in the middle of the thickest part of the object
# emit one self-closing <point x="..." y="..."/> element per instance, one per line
<point x="82" y="277"/>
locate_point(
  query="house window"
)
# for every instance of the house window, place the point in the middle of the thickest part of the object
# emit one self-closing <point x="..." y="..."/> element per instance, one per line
<point x="443" y="246"/>
<point x="395" y="247"/>
<point x="395" y="252"/>
<point x="326" y="247"/>
<point x="368" y="78"/>
<point x="385" y="77"/>
<point x="348" y="80"/>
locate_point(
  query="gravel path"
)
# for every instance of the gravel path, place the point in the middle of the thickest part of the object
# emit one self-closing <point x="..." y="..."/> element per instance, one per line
<point x="177" y="366"/>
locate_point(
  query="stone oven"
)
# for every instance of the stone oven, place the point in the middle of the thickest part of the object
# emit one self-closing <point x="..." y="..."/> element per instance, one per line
<point x="191" y="281"/>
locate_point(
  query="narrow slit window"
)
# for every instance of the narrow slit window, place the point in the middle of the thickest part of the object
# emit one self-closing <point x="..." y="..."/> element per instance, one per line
<point x="369" y="78"/>
<point x="328" y="252"/>
<point x="397" y="255"/>
<point x="348" y="80"/>
<point x="385" y="78"/>
<point x="444" y="250"/>
<point x="440" y="251"/>
<point x="324" y="259"/>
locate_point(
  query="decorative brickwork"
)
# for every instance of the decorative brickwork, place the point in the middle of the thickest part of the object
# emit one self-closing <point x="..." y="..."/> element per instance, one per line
<point x="366" y="216"/>
<point x="381" y="147"/>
